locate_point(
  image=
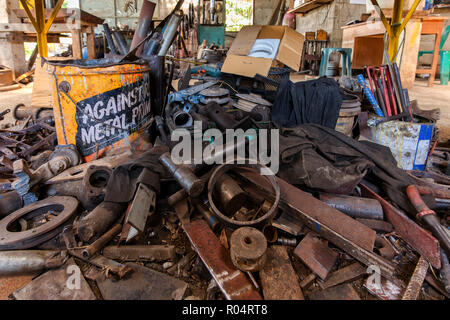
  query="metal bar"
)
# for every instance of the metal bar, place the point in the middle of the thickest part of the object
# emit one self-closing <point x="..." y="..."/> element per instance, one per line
<point x="382" y="16"/>
<point x="29" y="14"/>
<point x="409" y="14"/>
<point x="415" y="283"/>
<point x="41" y="34"/>
<point x="231" y="281"/>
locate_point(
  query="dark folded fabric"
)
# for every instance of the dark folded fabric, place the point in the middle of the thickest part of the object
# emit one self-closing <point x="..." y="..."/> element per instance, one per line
<point x="125" y="178"/>
<point x="316" y="101"/>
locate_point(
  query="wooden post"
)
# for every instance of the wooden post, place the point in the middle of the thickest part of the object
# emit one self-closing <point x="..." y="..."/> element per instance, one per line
<point x="91" y="43"/>
<point x="76" y="44"/>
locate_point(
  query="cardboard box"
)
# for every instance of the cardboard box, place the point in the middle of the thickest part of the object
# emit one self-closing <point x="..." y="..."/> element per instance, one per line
<point x="289" y="52"/>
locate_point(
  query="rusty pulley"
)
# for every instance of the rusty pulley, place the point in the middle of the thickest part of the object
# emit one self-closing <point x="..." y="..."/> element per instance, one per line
<point x="14" y="235"/>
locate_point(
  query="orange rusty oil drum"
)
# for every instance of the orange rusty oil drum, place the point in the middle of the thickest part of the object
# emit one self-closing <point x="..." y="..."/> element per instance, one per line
<point x="99" y="104"/>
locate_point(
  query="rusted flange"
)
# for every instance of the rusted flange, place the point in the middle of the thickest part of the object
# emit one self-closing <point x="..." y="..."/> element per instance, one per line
<point x="248" y="249"/>
<point x="65" y="207"/>
<point x="260" y="222"/>
<point x="95" y="180"/>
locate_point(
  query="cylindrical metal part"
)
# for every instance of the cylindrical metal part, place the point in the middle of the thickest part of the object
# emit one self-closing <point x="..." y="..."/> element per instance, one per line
<point x="227" y="149"/>
<point x="184" y="176"/>
<point x="151" y="47"/>
<point x="445" y="271"/>
<point x="10" y="202"/>
<point x="101" y="242"/>
<point x="355" y="207"/>
<point x="182" y="119"/>
<point x="169" y="34"/>
<point x="143" y="25"/>
<point x="287" y="242"/>
<point x="109" y="39"/>
<point x="213" y="223"/>
<point x="22" y="112"/>
<point x="121" y="42"/>
<point x="98" y="221"/>
<point x="230" y="194"/>
<point x="248" y="249"/>
<point x="28" y="261"/>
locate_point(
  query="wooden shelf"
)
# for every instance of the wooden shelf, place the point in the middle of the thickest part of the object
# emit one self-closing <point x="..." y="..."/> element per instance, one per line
<point x="308" y="6"/>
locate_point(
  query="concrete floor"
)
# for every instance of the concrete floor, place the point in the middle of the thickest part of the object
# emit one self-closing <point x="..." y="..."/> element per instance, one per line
<point x="437" y="96"/>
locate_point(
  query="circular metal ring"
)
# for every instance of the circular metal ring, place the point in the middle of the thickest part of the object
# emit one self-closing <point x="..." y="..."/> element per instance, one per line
<point x="9" y="240"/>
<point x="235" y="223"/>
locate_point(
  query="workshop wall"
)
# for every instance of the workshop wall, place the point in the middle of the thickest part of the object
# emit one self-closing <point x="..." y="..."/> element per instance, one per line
<point x="263" y="10"/>
<point x="331" y="18"/>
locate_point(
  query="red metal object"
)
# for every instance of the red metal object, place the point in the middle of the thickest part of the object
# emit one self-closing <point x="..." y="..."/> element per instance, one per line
<point x="143" y="25"/>
<point x="391" y="93"/>
<point x="418" y="238"/>
<point x="437" y="193"/>
<point x="233" y="282"/>
<point x="383" y="70"/>
<point x="417" y="202"/>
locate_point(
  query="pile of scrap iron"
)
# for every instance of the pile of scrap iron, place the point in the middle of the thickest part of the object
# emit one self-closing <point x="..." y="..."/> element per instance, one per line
<point x="314" y="214"/>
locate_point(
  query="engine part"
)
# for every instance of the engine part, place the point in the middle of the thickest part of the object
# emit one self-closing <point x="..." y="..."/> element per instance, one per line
<point x="184" y="176"/>
<point x="355" y="207"/>
<point x="63" y="157"/>
<point x="101" y="242"/>
<point x="22" y="262"/>
<point x="140" y="253"/>
<point x="98" y="220"/>
<point x="90" y="190"/>
<point x="58" y="211"/>
<point x="248" y="249"/>
<point x="222" y="169"/>
<point x="230" y="194"/>
<point x="182" y="119"/>
<point x="9" y="202"/>
<point x="216" y="94"/>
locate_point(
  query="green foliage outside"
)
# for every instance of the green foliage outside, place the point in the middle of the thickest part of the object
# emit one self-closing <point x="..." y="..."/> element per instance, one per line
<point x="238" y="14"/>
